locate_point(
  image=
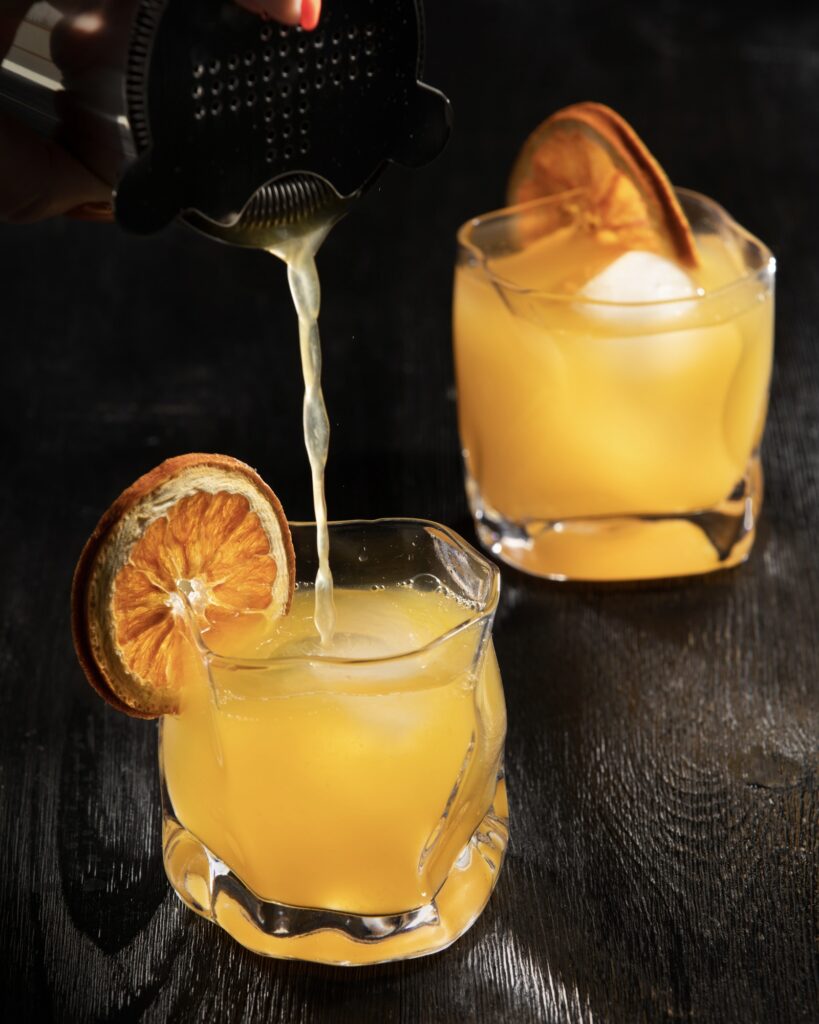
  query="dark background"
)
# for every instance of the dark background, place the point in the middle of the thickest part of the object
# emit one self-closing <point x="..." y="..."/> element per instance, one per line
<point x="662" y="748"/>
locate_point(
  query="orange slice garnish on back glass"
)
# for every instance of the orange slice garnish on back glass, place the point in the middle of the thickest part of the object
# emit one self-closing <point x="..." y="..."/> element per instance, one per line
<point x="629" y="198"/>
<point x="199" y="540"/>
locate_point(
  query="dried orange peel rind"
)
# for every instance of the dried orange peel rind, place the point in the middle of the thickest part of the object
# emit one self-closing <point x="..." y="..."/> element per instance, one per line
<point x="199" y="539"/>
<point x="591" y="147"/>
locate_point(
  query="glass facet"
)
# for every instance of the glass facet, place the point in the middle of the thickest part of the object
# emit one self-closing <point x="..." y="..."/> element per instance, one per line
<point x="610" y="440"/>
<point x="350" y="810"/>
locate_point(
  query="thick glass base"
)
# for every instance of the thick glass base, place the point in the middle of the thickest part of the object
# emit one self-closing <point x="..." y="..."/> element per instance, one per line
<point x="209" y="887"/>
<point x="636" y="547"/>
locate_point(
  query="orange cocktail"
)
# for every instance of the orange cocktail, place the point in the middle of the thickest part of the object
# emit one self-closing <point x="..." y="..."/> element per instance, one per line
<point x="612" y="398"/>
<point x="326" y="801"/>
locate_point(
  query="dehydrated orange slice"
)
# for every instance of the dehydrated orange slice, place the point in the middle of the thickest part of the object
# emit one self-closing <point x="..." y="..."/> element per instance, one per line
<point x="199" y="539"/>
<point x="589" y="146"/>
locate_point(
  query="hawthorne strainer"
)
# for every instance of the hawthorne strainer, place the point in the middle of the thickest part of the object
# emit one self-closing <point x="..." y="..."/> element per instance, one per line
<point x="242" y="125"/>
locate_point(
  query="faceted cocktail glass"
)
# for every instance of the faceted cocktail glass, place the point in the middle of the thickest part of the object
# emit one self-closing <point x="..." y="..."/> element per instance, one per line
<point x="349" y="809"/>
<point x="611" y="440"/>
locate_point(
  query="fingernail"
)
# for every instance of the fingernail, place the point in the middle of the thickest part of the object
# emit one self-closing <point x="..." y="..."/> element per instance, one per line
<point x="310" y="14"/>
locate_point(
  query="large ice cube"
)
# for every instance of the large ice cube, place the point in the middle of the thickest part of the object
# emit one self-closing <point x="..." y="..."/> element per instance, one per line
<point x="640" y="277"/>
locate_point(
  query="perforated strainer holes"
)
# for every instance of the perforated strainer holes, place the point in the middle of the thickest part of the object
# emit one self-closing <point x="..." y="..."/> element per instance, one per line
<point x="273" y="78"/>
<point x="208" y="87"/>
<point x="351" y="55"/>
<point x="198" y="90"/>
<point x="370" y="48"/>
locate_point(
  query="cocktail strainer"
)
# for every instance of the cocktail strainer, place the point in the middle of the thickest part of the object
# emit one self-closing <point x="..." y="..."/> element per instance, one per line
<point x="236" y="124"/>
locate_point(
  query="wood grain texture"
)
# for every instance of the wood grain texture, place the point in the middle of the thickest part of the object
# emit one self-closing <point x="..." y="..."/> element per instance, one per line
<point x="663" y="748"/>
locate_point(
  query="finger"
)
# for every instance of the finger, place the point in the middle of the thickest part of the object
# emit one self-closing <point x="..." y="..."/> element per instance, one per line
<point x="288" y="12"/>
<point x="310" y="13"/>
<point x="39" y="179"/>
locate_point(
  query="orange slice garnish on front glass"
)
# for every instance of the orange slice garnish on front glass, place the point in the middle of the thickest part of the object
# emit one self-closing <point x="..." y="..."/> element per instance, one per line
<point x="199" y="540"/>
<point x="629" y="200"/>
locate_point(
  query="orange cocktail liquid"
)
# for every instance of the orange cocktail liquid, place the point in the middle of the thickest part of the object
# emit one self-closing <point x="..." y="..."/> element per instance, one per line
<point x="328" y="784"/>
<point x="602" y="429"/>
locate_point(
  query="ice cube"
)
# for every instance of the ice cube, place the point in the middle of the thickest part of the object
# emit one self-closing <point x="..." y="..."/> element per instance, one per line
<point x="640" y="277"/>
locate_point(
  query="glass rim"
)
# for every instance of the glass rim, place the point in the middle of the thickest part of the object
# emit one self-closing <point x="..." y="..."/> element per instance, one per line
<point x="768" y="268"/>
<point x="485" y="614"/>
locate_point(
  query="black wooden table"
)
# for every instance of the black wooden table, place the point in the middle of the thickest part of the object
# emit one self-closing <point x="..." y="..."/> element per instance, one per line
<point x="662" y="749"/>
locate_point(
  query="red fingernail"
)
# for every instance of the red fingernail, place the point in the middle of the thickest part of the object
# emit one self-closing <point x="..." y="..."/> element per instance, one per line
<point x="310" y="14"/>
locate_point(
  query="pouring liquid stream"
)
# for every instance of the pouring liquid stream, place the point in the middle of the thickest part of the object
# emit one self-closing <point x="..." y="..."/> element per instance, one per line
<point x="296" y="241"/>
<point x="299" y="253"/>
